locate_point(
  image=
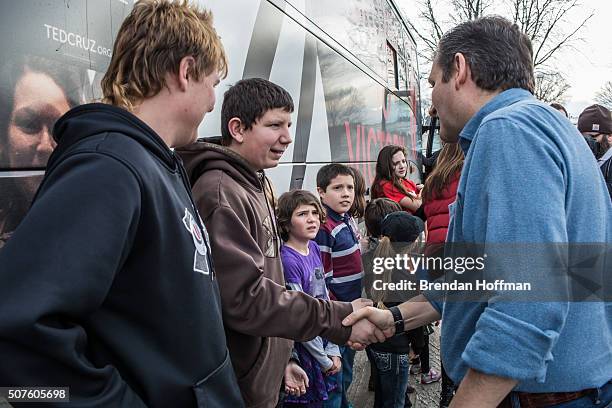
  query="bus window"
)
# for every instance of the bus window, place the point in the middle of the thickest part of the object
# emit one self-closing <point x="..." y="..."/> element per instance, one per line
<point x="392" y="78"/>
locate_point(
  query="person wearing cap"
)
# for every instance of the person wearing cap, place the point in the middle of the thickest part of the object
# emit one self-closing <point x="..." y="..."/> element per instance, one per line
<point x="595" y="123"/>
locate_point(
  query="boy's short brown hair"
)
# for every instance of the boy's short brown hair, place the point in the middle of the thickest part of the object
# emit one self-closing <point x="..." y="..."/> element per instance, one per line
<point x="249" y="100"/>
<point x="151" y="42"/>
<point x="375" y="211"/>
<point x="330" y="171"/>
<point x="288" y="202"/>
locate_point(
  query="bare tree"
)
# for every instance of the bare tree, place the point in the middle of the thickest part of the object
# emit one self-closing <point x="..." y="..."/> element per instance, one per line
<point x="604" y="96"/>
<point x="551" y="86"/>
<point x="470" y="9"/>
<point x="544" y="21"/>
<point x="430" y="36"/>
<point x="435" y="26"/>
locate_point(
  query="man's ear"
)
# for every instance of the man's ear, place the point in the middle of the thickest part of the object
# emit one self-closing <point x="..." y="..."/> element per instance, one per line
<point x="320" y="191"/>
<point x="462" y="70"/>
<point x="185" y="73"/>
<point x="236" y="129"/>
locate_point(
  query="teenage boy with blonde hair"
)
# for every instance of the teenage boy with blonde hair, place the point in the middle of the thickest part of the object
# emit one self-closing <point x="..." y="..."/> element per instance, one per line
<point x="107" y="285"/>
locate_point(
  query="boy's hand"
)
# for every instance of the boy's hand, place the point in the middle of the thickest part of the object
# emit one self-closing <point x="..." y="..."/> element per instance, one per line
<point x="296" y="379"/>
<point x="364" y="244"/>
<point x="363" y="333"/>
<point x="335" y="369"/>
<point x="360" y="304"/>
<point x="382" y="320"/>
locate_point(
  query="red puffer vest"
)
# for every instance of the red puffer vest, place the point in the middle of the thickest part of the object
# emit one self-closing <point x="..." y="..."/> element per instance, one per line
<point x="436" y="211"/>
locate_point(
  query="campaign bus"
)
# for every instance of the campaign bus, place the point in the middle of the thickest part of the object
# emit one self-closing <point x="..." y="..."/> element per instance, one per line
<point x="350" y="66"/>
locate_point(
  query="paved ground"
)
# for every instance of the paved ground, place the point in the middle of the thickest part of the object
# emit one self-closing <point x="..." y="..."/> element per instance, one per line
<point x="427" y="396"/>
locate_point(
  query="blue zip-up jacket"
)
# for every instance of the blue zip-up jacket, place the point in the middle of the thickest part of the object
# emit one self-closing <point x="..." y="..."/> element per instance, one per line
<point x="528" y="178"/>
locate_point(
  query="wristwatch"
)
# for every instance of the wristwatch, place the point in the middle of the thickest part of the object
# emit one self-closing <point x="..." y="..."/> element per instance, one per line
<point x="398" y="321"/>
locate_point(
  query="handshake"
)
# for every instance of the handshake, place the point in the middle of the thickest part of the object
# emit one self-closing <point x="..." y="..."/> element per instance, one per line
<point x="369" y="324"/>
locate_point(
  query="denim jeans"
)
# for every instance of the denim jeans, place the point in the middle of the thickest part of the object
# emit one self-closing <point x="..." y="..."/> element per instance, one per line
<point x="393" y="375"/>
<point x="334" y="397"/>
<point x="348" y="358"/>
<point x="602" y="398"/>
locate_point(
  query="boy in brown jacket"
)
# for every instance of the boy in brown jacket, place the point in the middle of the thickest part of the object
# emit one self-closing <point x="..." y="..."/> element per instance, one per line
<point x="235" y="200"/>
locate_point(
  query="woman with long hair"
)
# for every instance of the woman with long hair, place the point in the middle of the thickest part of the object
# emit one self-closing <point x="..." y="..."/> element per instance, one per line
<point x="439" y="191"/>
<point x="357" y="210"/>
<point x="392" y="181"/>
<point x="34" y="93"/>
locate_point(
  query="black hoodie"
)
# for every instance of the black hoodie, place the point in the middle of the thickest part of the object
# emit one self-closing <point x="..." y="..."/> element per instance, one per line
<point x="107" y="286"/>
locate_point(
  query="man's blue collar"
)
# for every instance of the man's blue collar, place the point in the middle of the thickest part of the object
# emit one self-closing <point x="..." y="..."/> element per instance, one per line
<point x="501" y="100"/>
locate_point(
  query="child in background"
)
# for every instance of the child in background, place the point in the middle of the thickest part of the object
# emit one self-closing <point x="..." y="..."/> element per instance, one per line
<point x="359" y="203"/>
<point x="398" y="233"/>
<point x="340" y="250"/>
<point x="392" y="180"/>
<point x="299" y="218"/>
<point x="374" y="212"/>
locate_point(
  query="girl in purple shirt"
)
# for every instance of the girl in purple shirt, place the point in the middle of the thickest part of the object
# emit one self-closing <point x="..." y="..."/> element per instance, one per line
<point x="299" y="217"/>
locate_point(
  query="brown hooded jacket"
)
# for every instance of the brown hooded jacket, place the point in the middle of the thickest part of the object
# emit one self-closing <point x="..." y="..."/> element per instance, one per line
<point x="259" y="314"/>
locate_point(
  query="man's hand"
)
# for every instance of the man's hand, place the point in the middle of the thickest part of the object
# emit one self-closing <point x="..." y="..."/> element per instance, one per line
<point x="382" y="320"/>
<point x="336" y="367"/>
<point x="296" y="380"/>
<point x="364" y="332"/>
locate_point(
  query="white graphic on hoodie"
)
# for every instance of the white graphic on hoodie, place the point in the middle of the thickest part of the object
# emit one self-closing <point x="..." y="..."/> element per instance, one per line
<point x="200" y="260"/>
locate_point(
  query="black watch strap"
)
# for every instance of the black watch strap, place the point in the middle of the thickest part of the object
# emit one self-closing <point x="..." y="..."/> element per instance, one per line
<point x="398" y="321"/>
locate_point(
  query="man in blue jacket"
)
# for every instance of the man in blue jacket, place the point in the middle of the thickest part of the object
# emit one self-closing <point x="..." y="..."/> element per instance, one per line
<point x="107" y="286"/>
<point x="528" y="178"/>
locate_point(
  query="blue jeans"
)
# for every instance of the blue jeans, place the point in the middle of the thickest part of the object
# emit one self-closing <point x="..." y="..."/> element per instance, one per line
<point x="348" y="358"/>
<point x="393" y="375"/>
<point x="334" y="397"/>
<point x="602" y="398"/>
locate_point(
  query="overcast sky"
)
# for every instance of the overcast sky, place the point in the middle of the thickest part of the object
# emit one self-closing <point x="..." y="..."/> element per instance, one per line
<point x="588" y="66"/>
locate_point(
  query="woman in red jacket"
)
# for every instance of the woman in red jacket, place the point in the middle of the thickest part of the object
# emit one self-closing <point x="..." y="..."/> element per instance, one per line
<point x="391" y="179"/>
<point x="439" y="191"/>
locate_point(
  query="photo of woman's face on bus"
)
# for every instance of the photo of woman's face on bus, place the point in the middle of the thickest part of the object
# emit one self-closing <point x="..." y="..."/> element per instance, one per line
<point x="39" y="103"/>
<point x="35" y="92"/>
